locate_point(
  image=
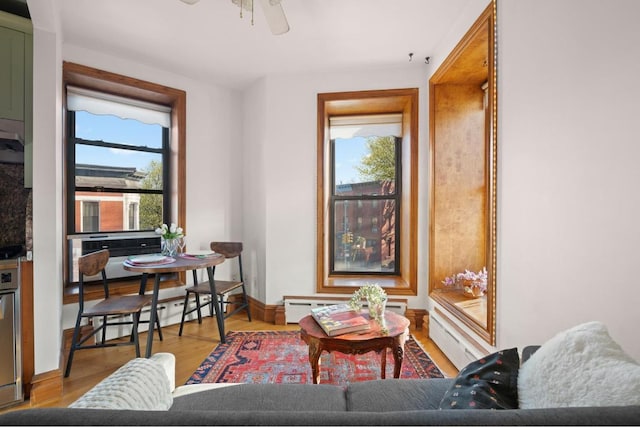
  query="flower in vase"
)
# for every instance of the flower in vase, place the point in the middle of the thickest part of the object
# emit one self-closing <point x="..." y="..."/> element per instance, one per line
<point x="170" y="232"/>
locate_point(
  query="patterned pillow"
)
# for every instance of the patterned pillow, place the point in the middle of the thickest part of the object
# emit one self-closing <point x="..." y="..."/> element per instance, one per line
<point x="487" y="383"/>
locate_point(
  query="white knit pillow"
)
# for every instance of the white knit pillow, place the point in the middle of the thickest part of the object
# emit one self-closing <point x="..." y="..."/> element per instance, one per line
<point x="582" y="366"/>
<point x="141" y="384"/>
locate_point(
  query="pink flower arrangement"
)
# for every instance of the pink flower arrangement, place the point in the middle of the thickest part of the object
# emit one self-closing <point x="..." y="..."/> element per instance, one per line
<point x="469" y="281"/>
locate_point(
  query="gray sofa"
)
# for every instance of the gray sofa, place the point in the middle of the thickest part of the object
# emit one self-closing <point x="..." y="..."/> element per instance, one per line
<point x="381" y="402"/>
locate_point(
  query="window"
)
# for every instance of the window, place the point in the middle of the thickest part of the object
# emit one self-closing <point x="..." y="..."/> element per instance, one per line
<point x="90" y="216"/>
<point x="118" y="194"/>
<point x="118" y="151"/>
<point x="367" y="210"/>
<point x="364" y="169"/>
<point x="134" y="220"/>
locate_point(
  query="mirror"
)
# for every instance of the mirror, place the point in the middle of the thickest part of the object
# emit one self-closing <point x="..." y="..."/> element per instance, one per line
<point x="463" y="167"/>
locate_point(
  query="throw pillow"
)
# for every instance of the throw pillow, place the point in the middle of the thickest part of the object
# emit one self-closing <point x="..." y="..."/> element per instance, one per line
<point x="140" y="384"/>
<point x="487" y="383"/>
<point x="582" y="366"/>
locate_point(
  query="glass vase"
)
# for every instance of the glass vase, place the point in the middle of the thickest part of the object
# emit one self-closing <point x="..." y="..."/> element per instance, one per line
<point x="169" y="247"/>
<point x="376" y="309"/>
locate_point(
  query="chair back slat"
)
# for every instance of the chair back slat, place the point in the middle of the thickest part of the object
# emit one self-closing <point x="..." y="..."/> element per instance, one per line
<point x="227" y="249"/>
<point x="91" y="264"/>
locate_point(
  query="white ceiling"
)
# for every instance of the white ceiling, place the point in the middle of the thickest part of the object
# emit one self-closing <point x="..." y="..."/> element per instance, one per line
<point x="209" y="41"/>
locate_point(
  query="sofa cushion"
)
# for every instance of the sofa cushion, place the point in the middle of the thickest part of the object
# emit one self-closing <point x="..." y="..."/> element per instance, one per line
<point x="396" y="394"/>
<point x="487" y="383"/>
<point x="265" y="397"/>
<point x="140" y="384"/>
<point x="582" y="366"/>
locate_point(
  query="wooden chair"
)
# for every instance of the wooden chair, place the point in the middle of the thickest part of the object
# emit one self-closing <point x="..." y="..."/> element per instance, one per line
<point x="223" y="288"/>
<point x="120" y="305"/>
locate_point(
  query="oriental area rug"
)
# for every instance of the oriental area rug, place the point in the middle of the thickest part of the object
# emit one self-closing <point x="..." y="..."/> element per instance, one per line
<point x="282" y="357"/>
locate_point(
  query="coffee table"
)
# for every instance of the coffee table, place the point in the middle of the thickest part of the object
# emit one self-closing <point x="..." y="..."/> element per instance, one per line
<point x="358" y="343"/>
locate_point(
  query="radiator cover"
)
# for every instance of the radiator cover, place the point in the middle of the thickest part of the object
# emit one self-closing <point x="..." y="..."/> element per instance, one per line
<point x="295" y="308"/>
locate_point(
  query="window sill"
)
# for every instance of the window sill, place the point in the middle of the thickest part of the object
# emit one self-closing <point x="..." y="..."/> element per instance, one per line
<point x="393" y="285"/>
<point x="123" y="287"/>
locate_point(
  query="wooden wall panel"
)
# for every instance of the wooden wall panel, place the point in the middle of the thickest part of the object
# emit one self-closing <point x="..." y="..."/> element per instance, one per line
<point x="460" y="208"/>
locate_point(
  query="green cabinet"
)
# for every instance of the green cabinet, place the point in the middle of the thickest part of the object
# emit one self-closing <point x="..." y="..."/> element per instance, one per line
<point x="16" y="80"/>
<point x="12" y="74"/>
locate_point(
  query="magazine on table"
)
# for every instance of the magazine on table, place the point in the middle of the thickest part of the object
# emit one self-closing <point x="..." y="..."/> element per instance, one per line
<point x="338" y="319"/>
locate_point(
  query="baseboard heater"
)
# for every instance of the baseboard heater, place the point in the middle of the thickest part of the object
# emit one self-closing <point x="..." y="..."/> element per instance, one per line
<point x="295" y="308"/>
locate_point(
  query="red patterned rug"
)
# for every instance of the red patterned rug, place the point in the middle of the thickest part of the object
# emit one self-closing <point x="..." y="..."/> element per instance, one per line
<point x="282" y="357"/>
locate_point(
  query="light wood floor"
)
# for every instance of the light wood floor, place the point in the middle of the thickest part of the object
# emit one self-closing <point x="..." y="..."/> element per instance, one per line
<point x="195" y="344"/>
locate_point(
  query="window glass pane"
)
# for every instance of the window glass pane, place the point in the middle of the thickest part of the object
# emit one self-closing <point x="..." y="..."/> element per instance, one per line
<point x="364" y="166"/>
<point x="364" y="236"/>
<point x="133" y="216"/>
<point x="100" y="167"/>
<point x="95" y="127"/>
<point x="150" y="213"/>
<point x="117" y="211"/>
<point x="114" y="168"/>
<point x="90" y="216"/>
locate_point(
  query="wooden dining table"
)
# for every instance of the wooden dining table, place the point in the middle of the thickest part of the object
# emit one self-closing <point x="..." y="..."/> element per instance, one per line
<point x="181" y="263"/>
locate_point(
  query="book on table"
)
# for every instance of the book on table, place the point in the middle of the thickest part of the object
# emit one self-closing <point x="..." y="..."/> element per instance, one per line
<point x="338" y="319"/>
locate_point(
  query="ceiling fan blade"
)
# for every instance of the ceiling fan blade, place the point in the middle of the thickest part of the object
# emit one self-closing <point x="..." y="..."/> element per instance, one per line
<point x="274" y="14"/>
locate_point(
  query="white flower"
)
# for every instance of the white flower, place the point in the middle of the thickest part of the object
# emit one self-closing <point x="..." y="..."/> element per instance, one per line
<point x="172" y="232"/>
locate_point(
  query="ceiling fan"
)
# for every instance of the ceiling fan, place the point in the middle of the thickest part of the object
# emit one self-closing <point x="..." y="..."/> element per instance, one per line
<point x="273" y="13"/>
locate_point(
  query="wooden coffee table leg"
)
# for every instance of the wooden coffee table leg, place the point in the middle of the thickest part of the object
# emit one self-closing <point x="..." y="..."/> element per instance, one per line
<point x="398" y="355"/>
<point x="315" y="350"/>
<point x="383" y="363"/>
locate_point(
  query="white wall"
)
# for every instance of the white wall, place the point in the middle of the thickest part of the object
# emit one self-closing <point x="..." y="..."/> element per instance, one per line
<point x="254" y="188"/>
<point x="569" y="203"/>
<point x="47" y="200"/>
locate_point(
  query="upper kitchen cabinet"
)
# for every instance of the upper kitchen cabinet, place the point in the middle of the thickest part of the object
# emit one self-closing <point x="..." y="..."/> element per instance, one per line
<point x="11" y="74"/>
<point x="16" y="76"/>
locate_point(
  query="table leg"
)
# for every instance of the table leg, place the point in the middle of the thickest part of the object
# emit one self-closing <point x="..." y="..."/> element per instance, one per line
<point x="216" y="307"/>
<point x="152" y="315"/>
<point x="143" y="284"/>
<point x="383" y="363"/>
<point x="315" y="350"/>
<point x="398" y="355"/>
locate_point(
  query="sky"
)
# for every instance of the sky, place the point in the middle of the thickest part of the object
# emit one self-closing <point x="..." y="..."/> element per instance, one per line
<point x="349" y="152"/>
<point x="113" y="129"/>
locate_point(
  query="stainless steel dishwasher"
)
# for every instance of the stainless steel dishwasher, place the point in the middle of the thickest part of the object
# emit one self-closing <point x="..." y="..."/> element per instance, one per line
<point x="10" y="342"/>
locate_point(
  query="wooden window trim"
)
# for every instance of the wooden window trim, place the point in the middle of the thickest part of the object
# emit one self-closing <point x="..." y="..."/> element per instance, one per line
<point x="403" y="101"/>
<point x="117" y="84"/>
